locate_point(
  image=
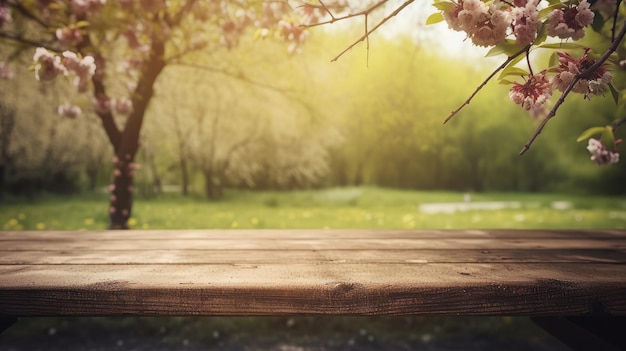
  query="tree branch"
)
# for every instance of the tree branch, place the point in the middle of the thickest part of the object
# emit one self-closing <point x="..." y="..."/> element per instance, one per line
<point x="368" y="32"/>
<point x="180" y="14"/>
<point x="577" y="78"/>
<point x="334" y="19"/>
<point x="482" y="85"/>
<point x="29" y="42"/>
<point x="617" y="123"/>
<point x="19" y="7"/>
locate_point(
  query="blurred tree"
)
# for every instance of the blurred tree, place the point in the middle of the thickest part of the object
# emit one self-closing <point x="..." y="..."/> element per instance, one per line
<point x="119" y="48"/>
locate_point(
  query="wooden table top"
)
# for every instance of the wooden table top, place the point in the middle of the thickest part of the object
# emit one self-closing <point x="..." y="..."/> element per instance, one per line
<point x="341" y="272"/>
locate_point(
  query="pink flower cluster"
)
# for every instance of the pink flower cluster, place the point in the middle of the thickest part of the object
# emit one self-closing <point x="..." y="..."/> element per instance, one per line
<point x="83" y="68"/>
<point x="121" y="105"/>
<point x="570" y="22"/>
<point x="68" y="110"/>
<point x="600" y="154"/>
<point x="49" y="65"/>
<point x="69" y="36"/>
<point x="535" y="92"/>
<point x="489" y="25"/>
<point x="594" y="82"/>
<point x="5" y="14"/>
<point x="484" y="25"/>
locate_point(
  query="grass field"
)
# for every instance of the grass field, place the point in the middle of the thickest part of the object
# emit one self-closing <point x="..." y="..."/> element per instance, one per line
<point x="330" y="208"/>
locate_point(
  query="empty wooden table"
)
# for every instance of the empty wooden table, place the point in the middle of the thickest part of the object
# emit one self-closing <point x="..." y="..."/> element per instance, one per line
<point x="547" y="273"/>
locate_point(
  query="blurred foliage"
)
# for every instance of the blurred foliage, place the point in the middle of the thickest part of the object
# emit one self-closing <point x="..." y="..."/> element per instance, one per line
<point x="256" y="117"/>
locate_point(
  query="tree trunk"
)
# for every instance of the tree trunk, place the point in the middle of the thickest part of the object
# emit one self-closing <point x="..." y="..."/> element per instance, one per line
<point x="121" y="194"/>
<point x="126" y="143"/>
<point x="212" y="186"/>
<point x="185" y="176"/>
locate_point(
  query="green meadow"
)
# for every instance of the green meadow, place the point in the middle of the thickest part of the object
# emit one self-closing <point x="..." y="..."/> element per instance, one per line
<point x="357" y="207"/>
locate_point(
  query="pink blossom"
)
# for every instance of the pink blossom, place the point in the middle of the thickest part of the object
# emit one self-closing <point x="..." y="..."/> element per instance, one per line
<point x="5" y="14"/>
<point x="82" y="7"/>
<point x="69" y="36"/>
<point x="493" y="31"/>
<point x="484" y="25"/>
<point x="84" y="69"/>
<point x="466" y="14"/>
<point x="526" y="23"/>
<point x="102" y="105"/>
<point x="591" y="83"/>
<point x="600" y="154"/>
<point x="68" y="110"/>
<point x="47" y="65"/>
<point x="533" y="94"/>
<point x="111" y="187"/>
<point x="570" y="22"/>
<point x="123" y="105"/>
<point x="5" y="71"/>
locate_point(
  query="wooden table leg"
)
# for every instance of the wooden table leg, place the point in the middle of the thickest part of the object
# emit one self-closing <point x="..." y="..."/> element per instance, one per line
<point x="6" y="322"/>
<point x="587" y="333"/>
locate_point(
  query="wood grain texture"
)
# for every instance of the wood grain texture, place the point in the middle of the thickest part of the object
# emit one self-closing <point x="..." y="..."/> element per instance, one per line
<point x="271" y="272"/>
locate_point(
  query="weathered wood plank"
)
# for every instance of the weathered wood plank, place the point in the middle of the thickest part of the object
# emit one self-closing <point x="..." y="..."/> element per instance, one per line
<point x="223" y="256"/>
<point x="530" y="289"/>
<point x="279" y="234"/>
<point x="318" y="272"/>
<point x="310" y="244"/>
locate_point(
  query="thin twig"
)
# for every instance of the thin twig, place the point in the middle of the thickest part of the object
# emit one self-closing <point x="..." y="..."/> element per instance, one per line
<point x="482" y="85"/>
<point x="367" y="33"/>
<point x="334" y="19"/>
<point x="619" y="2"/>
<point x="19" y="39"/>
<point x="367" y="45"/>
<point x="578" y="77"/>
<point x="18" y="6"/>
<point x="617" y="123"/>
<point x="530" y="67"/>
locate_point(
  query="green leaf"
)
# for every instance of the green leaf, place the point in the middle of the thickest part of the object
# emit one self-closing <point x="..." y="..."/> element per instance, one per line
<point x="504" y="82"/>
<point x="608" y="138"/>
<point x="444" y="6"/>
<point x="81" y="24"/>
<point x="590" y="132"/>
<point x="542" y="35"/>
<point x="508" y="48"/>
<point x="554" y="60"/>
<point x="434" y="18"/>
<point x="513" y="71"/>
<point x="614" y="92"/>
<point x="598" y="22"/>
<point x="543" y="14"/>
<point x="563" y="46"/>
